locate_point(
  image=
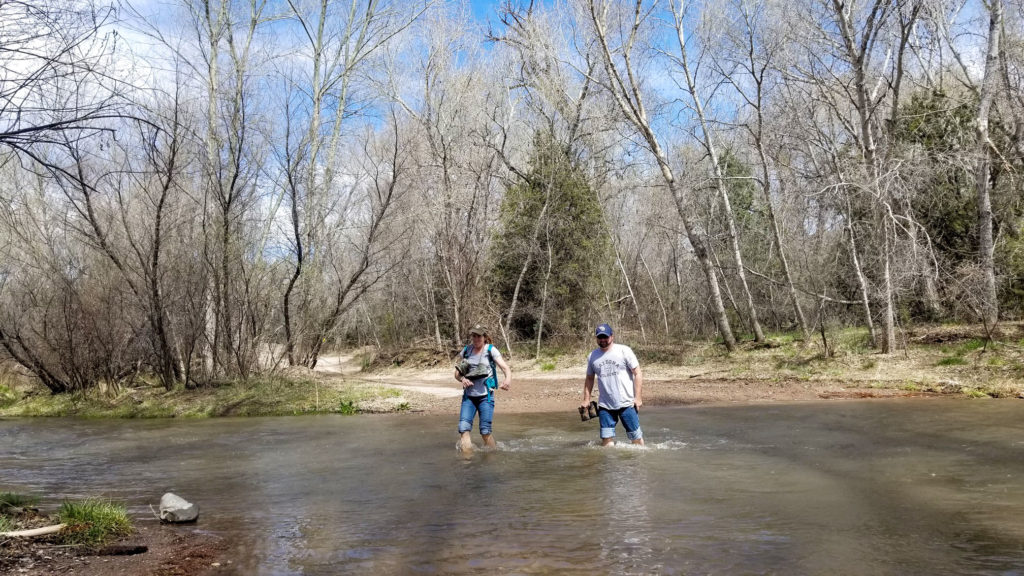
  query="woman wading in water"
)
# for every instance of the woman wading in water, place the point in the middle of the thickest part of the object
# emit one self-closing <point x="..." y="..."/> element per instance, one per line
<point x="476" y="372"/>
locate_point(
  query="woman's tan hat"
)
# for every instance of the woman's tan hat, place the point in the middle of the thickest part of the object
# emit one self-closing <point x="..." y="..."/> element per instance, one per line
<point x="478" y="329"/>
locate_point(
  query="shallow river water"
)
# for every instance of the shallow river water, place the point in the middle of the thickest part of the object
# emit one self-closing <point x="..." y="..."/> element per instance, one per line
<point x="840" y="487"/>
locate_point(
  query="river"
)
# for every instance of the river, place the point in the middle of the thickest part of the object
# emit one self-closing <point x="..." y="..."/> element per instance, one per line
<point x="839" y="487"/>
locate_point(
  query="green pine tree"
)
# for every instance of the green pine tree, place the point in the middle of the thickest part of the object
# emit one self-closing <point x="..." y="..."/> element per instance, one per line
<point x="569" y="235"/>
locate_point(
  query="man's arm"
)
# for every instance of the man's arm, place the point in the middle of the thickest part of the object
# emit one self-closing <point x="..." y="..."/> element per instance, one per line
<point x="588" y="388"/>
<point x="638" y="387"/>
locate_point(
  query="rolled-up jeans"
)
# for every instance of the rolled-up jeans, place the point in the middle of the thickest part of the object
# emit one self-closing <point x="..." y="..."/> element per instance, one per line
<point x="630" y="421"/>
<point x="470" y="406"/>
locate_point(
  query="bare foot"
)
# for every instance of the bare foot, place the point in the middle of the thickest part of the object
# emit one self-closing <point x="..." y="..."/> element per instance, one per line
<point x="465" y="444"/>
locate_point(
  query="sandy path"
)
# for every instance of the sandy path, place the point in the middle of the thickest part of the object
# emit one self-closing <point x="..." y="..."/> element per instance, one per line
<point x="434" y="390"/>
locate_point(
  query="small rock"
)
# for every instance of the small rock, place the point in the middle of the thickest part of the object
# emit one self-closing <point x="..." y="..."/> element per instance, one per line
<point x="174" y="508"/>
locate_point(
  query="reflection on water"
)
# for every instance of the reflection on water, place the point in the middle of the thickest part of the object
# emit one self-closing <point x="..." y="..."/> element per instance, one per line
<point x="893" y="487"/>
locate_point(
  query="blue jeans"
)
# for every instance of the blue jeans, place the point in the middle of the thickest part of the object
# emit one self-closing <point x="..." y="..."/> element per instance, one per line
<point x="470" y="406"/>
<point x="630" y="421"/>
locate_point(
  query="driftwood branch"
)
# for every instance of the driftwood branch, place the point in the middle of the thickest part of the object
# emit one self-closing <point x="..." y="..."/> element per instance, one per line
<point x="34" y="531"/>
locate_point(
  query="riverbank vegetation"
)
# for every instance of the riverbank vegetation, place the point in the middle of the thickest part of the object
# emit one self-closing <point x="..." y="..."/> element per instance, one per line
<point x="93" y="522"/>
<point x="89" y="523"/>
<point x="213" y="205"/>
<point x="950" y="360"/>
<point x="35" y="542"/>
<point x="265" y="396"/>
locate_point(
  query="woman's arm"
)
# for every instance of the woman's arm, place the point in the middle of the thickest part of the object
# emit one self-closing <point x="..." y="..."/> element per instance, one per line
<point x="506" y="370"/>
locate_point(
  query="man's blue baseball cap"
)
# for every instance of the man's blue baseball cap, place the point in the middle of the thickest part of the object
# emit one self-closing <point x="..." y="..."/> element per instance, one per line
<point x="603" y="330"/>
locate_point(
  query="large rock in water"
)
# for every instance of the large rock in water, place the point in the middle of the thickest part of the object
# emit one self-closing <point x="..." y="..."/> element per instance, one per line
<point x="174" y="508"/>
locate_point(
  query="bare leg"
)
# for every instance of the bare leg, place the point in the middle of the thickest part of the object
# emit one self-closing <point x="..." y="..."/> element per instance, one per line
<point x="607" y="441"/>
<point x="488" y="440"/>
<point x="465" y="442"/>
<point x="639" y="441"/>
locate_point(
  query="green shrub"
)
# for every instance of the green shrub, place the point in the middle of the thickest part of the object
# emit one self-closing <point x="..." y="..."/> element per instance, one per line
<point x="348" y="407"/>
<point x="547" y="366"/>
<point x="6" y="524"/>
<point x="975" y="393"/>
<point x="972" y="344"/>
<point x="952" y="361"/>
<point x="93" y="521"/>
<point x="12" y="500"/>
<point x="785" y="337"/>
<point x="7" y="396"/>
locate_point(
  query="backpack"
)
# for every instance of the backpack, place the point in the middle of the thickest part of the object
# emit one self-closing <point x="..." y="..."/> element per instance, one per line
<point x="492" y="379"/>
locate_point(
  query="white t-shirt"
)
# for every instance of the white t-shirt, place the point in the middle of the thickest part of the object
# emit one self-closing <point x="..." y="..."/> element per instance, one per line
<point x="479" y="387"/>
<point x="614" y="372"/>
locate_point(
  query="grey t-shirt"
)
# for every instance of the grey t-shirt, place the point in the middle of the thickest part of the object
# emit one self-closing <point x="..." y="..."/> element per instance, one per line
<point x="479" y="387"/>
<point x="614" y="372"/>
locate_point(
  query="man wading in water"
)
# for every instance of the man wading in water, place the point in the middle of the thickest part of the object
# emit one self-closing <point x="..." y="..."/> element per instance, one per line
<point x="620" y="385"/>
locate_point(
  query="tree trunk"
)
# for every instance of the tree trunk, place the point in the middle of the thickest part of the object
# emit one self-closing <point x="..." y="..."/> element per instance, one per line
<point x="628" y="98"/>
<point x="708" y="142"/>
<point x="544" y="295"/>
<point x="862" y="282"/>
<point x="657" y="293"/>
<point x="983" y="173"/>
<point x="632" y="296"/>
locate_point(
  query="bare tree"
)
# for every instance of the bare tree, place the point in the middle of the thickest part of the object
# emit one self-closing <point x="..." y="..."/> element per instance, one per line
<point x="358" y="261"/>
<point x="708" y="141"/>
<point x="55" y="84"/>
<point x="755" y="54"/>
<point x="624" y="85"/>
<point x="338" y="43"/>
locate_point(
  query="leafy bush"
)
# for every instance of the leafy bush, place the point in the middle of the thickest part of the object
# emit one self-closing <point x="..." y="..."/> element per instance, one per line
<point x="12" y="500"/>
<point x="7" y="396"/>
<point x="972" y="344"/>
<point x="93" y="521"/>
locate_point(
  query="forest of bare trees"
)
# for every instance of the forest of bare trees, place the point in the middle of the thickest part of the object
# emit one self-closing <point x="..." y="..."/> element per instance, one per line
<point x="204" y="190"/>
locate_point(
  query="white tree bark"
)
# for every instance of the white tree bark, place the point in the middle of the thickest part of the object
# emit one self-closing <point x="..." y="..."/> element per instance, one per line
<point x="624" y="86"/>
<point x="983" y="170"/>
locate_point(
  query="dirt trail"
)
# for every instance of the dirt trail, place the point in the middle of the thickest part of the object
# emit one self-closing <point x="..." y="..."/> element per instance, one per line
<point x="434" y="390"/>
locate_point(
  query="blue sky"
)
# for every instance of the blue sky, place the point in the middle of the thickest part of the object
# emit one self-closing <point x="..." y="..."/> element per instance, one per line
<point x="484" y="10"/>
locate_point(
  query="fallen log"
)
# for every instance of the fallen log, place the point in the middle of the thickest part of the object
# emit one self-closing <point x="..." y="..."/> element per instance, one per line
<point x="34" y="531"/>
